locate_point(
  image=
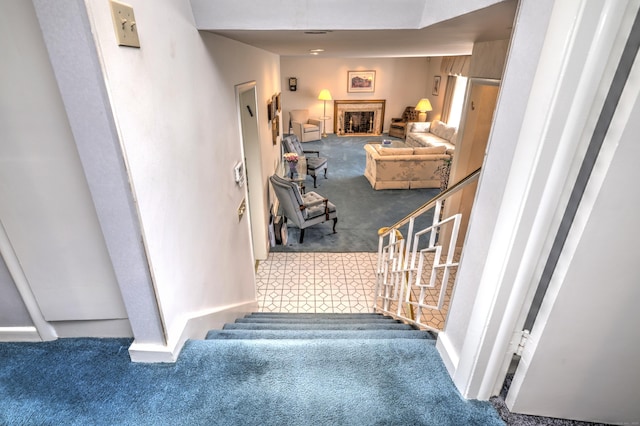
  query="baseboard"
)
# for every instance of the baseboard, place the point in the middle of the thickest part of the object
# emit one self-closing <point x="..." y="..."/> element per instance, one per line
<point x="449" y="355"/>
<point x="195" y="326"/>
<point x="19" y="334"/>
<point x="93" y="328"/>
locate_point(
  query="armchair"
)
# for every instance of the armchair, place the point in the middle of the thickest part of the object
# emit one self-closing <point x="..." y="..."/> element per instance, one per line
<point x="314" y="164"/>
<point x="398" y="127"/>
<point x="303" y="210"/>
<point x="305" y="128"/>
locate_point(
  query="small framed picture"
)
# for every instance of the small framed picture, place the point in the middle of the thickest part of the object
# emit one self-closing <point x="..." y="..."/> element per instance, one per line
<point x="270" y="110"/>
<point x="275" y="129"/>
<point x="436" y="86"/>
<point x="361" y="81"/>
<point x="278" y="104"/>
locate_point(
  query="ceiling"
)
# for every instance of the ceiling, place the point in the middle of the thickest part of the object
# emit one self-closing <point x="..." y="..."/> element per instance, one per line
<point x="448" y="38"/>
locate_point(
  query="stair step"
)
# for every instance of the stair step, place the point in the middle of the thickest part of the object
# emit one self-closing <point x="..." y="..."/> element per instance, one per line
<point x="312" y="315"/>
<point x="317" y="334"/>
<point x="311" y="320"/>
<point x="313" y="326"/>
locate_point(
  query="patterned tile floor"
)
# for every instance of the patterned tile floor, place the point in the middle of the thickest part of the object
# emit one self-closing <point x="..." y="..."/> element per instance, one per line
<point x="328" y="283"/>
<point x="317" y="282"/>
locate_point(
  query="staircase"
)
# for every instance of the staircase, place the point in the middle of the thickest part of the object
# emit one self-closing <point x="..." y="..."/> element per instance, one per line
<point x="333" y="369"/>
<point x="317" y="326"/>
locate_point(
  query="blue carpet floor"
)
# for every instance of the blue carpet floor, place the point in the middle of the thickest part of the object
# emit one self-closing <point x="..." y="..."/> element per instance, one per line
<point x="253" y="381"/>
<point x="361" y="209"/>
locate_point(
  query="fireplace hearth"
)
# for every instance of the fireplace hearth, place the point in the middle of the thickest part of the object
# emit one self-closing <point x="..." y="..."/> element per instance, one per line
<point x="358" y="118"/>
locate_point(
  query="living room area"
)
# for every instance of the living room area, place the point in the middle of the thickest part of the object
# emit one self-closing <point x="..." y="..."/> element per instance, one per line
<point x="288" y="280"/>
<point x="398" y="84"/>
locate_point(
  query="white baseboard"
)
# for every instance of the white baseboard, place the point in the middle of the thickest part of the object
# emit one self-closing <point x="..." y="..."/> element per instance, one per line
<point x="19" y="334"/>
<point x="93" y="328"/>
<point x="195" y="326"/>
<point x="449" y="355"/>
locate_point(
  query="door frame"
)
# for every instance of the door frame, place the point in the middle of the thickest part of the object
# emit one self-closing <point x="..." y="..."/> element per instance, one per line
<point x="249" y="130"/>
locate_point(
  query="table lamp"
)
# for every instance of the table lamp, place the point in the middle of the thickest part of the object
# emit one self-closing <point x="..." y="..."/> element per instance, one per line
<point x="423" y="106"/>
<point x="324" y="96"/>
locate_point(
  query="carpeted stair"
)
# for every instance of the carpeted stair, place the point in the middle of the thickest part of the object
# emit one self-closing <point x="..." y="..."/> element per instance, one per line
<point x="279" y="369"/>
<point x="343" y="369"/>
<point x="317" y="326"/>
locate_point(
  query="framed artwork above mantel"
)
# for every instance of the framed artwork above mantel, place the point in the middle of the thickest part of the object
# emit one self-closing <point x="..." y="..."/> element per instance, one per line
<point x="361" y="81"/>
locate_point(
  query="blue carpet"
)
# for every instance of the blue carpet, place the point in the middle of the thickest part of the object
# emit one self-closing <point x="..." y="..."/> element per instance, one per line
<point x="361" y="210"/>
<point x="322" y="381"/>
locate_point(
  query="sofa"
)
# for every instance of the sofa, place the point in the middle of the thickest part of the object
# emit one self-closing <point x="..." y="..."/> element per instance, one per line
<point x="404" y="168"/>
<point x="434" y="133"/>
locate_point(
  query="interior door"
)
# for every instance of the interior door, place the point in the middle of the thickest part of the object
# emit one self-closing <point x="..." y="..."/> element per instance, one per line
<point x="581" y="361"/>
<point x="248" y="113"/>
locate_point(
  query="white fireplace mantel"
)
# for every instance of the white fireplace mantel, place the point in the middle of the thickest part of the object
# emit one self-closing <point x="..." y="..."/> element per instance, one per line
<point x="340" y="107"/>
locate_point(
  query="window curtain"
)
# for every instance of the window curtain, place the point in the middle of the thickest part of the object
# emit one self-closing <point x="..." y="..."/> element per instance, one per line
<point x="455" y="65"/>
<point x="448" y="97"/>
<point x="452" y="66"/>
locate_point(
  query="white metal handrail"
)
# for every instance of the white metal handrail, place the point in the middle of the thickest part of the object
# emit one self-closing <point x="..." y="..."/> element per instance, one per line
<point x="403" y="265"/>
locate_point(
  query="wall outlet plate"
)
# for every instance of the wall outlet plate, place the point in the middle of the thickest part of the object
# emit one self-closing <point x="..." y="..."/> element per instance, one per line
<point x="124" y="24"/>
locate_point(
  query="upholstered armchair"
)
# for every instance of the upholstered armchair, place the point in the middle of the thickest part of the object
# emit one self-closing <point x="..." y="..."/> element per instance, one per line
<point x="305" y="128"/>
<point x="314" y="164"/>
<point x="398" y="127"/>
<point x="303" y="210"/>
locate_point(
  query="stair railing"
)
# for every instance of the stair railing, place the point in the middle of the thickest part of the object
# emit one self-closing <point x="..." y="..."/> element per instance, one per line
<point x="412" y="276"/>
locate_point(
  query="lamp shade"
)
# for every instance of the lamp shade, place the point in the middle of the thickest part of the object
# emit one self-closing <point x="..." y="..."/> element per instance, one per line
<point x="424" y="105"/>
<point x="324" y="95"/>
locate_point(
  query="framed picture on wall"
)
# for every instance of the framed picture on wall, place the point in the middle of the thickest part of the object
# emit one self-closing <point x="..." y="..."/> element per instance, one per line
<point x="361" y="81"/>
<point x="275" y="129"/>
<point x="270" y="110"/>
<point x="278" y="104"/>
<point x="436" y="85"/>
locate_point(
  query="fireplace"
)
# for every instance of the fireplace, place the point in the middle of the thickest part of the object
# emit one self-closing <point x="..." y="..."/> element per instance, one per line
<point x="358" y="118"/>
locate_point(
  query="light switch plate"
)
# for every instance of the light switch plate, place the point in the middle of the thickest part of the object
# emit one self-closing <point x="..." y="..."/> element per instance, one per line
<point x="124" y="24"/>
<point x="241" y="209"/>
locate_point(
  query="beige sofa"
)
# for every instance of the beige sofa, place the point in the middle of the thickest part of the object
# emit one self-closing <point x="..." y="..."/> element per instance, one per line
<point x="404" y="168"/>
<point x="434" y="133"/>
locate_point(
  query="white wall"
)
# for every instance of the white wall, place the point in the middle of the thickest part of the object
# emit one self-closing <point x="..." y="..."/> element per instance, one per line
<point x="46" y="206"/>
<point x="460" y="330"/>
<point x="534" y="154"/>
<point x="401" y="82"/>
<point x="174" y="106"/>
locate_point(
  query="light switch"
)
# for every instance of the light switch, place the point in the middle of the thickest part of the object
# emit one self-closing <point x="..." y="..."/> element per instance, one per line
<point x="124" y="24"/>
<point x="241" y="209"/>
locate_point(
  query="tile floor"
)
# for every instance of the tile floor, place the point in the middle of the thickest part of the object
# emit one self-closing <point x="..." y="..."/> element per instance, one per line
<point x="325" y="283"/>
<point x="317" y="282"/>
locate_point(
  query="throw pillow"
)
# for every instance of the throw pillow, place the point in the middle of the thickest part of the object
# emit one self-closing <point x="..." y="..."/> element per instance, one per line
<point x="429" y="150"/>
<point x="395" y="151"/>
